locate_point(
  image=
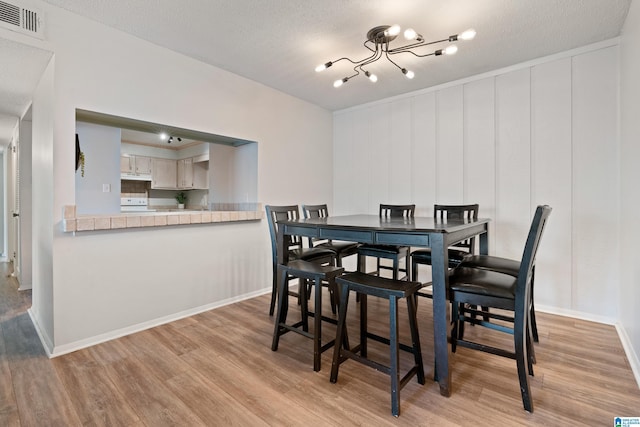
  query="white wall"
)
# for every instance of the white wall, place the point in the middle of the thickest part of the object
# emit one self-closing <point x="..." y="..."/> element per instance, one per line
<point x="630" y="202"/>
<point x="43" y="294"/>
<point x="543" y="132"/>
<point x="106" y="283"/>
<point x="221" y="166"/>
<point x="24" y="275"/>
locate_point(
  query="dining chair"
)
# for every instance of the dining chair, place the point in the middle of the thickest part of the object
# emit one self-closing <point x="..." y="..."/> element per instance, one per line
<point x="295" y="245"/>
<point x="512" y="268"/>
<point x="457" y="252"/>
<point x="476" y="286"/>
<point x="342" y="249"/>
<point x="392" y="252"/>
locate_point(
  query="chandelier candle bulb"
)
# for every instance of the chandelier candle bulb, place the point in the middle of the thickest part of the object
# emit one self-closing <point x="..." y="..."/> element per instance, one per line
<point x="468" y="34"/>
<point x="410" y="74"/>
<point x="410" y="34"/>
<point x="451" y="50"/>
<point x="339" y="83"/>
<point x="323" y="67"/>
<point x="379" y="41"/>
<point x="393" y="30"/>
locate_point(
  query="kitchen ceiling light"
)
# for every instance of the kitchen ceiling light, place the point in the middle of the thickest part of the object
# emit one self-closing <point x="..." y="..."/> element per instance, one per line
<point x="378" y="41"/>
<point x="170" y="140"/>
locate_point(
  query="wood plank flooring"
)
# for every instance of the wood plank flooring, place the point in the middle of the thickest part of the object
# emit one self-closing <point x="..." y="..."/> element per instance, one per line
<point x="217" y="368"/>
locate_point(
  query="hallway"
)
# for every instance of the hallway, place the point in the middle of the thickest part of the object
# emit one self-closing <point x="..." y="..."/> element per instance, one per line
<point x="29" y="385"/>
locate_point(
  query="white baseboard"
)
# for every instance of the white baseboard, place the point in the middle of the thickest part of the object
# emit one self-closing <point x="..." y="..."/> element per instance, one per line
<point x="576" y="314"/>
<point x="632" y="356"/>
<point x="88" y="342"/>
<point x="46" y="343"/>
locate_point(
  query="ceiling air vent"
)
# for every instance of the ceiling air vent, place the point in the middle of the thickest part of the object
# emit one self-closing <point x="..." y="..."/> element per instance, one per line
<point x="20" y="19"/>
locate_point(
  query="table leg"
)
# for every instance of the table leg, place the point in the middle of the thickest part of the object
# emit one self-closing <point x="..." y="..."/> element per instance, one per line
<point x="440" y="323"/>
<point x="484" y="243"/>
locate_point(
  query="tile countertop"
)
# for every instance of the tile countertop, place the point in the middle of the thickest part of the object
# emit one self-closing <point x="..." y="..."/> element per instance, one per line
<point x="72" y="222"/>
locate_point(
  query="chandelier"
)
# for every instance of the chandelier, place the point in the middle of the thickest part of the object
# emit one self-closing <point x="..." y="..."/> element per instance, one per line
<point x="379" y="40"/>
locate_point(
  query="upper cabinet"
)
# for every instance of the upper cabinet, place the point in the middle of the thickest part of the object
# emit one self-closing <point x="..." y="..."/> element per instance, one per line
<point x="164" y="174"/>
<point x="135" y="165"/>
<point x="127" y="164"/>
<point x="143" y="165"/>
<point x="201" y="173"/>
<point x="185" y="173"/>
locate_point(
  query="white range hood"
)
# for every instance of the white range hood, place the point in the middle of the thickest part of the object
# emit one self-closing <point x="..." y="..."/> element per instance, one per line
<point x="135" y="177"/>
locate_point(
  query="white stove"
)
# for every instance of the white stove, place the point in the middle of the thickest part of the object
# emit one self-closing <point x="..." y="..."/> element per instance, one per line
<point x="134" y="204"/>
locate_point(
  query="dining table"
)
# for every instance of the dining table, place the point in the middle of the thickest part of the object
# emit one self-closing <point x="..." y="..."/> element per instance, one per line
<point x="424" y="232"/>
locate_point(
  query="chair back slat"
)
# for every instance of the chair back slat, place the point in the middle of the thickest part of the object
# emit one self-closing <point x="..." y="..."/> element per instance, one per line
<point x="397" y="211"/>
<point x="443" y="213"/>
<point x="315" y="211"/>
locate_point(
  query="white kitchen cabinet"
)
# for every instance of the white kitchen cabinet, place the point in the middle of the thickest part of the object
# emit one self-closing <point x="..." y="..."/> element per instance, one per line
<point x="185" y="173"/>
<point x="135" y="165"/>
<point x="201" y="175"/>
<point x="127" y="164"/>
<point x="164" y="174"/>
<point x="143" y="165"/>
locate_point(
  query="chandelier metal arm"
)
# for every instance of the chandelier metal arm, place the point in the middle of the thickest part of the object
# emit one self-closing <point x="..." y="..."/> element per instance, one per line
<point x="418" y="55"/>
<point x="390" y="60"/>
<point x="372" y="59"/>
<point x="416" y="45"/>
<point x="360" y="60"/>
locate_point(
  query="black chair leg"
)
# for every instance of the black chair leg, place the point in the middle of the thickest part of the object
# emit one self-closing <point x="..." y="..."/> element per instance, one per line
<point x="394" y="350"/>
<point x="415" y="337"/>
<point x="281" y="314"/>
<point x="414" y="271"/>
<point x="523" y="376"/>
<point x="341" y="330"/>
<point x="455" y="318"/>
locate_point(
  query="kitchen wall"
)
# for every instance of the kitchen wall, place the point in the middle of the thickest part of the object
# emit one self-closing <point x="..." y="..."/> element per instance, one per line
<point x="544" y="132"/>
<point x="95" y="286"/>
<point x="101" y="148"/>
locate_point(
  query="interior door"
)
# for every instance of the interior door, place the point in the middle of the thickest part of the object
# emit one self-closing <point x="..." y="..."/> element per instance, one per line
<point x="14" y="208"/>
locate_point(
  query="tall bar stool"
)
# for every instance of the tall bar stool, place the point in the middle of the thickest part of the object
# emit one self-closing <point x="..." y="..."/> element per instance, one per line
<point x="365" y="285"/>
<point x="319" y="274"/>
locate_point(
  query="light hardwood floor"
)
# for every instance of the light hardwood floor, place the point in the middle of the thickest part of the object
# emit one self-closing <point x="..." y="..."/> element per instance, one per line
<point x="217" y="369"/>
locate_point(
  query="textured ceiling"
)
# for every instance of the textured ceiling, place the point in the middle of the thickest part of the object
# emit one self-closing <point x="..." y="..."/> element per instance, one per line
<point x="21" y="67"/>
<point x="279" y="42"/>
